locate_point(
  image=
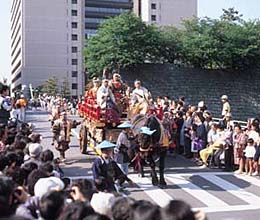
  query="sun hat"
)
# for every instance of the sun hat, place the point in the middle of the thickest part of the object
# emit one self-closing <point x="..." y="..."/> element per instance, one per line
<point x="125" y="124"/>
<point x="105" y="144"/>
<point x="146" y="130"/>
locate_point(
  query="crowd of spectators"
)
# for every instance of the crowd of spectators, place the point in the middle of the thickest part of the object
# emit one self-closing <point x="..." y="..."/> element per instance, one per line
<point x="223" y="143"/>
<point x="33" y="186"/>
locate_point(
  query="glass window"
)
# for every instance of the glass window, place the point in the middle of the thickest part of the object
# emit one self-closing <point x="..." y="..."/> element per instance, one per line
<point x="153" y="6"/>
<point x="74" y="86"/>
<point x="74" y="12"/>
<point x="74" y="25"/>
<point x="153" y="17"/>
<point x="74" y="49"/>
<point x="74" y="1"/>
<point x="74" y="37"/>
<point x="74" y="61"/>
<point x="74" y="73"/>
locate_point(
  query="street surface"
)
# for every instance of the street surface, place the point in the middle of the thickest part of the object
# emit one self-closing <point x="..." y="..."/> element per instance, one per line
<point x="220" y="194"/>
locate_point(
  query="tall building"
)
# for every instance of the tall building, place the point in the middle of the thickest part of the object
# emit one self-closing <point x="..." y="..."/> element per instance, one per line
<point x="165" y="12"/>
<point x="47" y="40"/>
<point x="96" y="11"/>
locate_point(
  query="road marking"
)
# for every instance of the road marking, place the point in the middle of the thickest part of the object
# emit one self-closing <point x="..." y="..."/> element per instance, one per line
<point x="75" y="133"/>
<point x="197" y="192"/>
<point x="250" y="198"/>
<point x="155" y="193"/>
<point x="250" y="179"/>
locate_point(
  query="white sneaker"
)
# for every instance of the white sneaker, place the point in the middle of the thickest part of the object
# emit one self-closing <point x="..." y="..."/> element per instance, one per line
<point x="238" y="172"/>
<point x="203" y="166"/>
<point x="255" y="173"/>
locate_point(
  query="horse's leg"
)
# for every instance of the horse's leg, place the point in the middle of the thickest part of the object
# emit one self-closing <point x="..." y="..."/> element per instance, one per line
<point x="141" y="170"/>
<point x="162" y="165"/>
<point x="153" y="172"/>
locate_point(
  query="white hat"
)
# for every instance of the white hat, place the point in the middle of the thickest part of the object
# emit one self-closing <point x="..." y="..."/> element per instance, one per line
<point x="45" y="185"/>
<point x="105" y="144"/>
<point x="125" y="124"/>
<point x="22" y="96"/>
<point x="224" y="97"/>
<point x="35" y="149"/>
<point x="102" y="202"/>
<point x="201" y="104"/>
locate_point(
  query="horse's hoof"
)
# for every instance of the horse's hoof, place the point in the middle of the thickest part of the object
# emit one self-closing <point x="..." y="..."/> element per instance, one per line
<point x="163" y="183"/>
<point x="162" y="186"/>
<point x="155" y="182"/>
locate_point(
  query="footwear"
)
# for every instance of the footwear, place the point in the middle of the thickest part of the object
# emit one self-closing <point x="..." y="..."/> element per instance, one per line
<point x="255" y="173"/>
<point x="203" y="166"/>
<point x="238" y="172"/>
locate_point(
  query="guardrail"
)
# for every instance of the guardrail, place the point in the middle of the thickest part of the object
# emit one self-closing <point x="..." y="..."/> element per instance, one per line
<point x="243" y="124"/>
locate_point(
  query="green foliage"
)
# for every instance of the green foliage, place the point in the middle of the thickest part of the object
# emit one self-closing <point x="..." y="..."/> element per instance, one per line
<point x="121" y="42"/>
<point x="225" y="43"/>
<point x="65" y="88"/>
<point x="170" y="44"/>
<point x="50" y="86"/>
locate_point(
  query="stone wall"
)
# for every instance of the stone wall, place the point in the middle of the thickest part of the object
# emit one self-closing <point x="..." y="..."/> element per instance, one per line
<point x="196" y="85"/>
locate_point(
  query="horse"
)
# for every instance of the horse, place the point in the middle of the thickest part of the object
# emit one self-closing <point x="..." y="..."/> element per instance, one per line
<point x="149" y="146"/>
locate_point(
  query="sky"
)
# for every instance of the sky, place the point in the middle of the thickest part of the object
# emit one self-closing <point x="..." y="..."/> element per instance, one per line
<point x="210" y="8"/>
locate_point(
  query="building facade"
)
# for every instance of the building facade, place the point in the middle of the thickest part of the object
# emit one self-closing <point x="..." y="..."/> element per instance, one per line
<point x="47" y="40"/>
<point x="165" y="12"/>
<point x="96" y="11"/>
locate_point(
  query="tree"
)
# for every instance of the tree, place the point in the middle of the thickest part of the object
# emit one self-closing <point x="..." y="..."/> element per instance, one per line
<point x="50" y="86"/>
<point x="121" y="42"/>
<point x="65" y="88"/>
<point x="226" y="43"/>
<point x="170" y="44"/>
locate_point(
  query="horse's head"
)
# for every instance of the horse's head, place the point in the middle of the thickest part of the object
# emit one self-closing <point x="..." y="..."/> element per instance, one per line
<point x="154" y="124"/>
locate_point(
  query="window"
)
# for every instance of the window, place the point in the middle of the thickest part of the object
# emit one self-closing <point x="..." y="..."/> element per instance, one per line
<point x="74" y="74"/>
<point x="74" y="12"/>
<point x="74" y="49"/>
<point x="74" y="37"/>
<point x="74" y="61"/>
<point x="74" y="1"/>
<point x="74" y="86"/>
<point x="153" y="17"/>
<point x="74" y="25"/>
<point x="153" y="6"/>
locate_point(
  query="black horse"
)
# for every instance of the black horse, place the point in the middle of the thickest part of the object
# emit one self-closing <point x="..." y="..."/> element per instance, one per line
<point x="149" y="146"/>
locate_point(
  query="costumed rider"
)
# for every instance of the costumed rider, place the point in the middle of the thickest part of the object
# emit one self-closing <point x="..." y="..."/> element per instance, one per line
<point x="105" y="97"/>
<point x="106" y="171"/>
<point x="92" y="93"/>
<point x="61" y="129"/>
<point x="119" y="91"/>
<point x="140" y="98"/>
<point x="123" y="147"/>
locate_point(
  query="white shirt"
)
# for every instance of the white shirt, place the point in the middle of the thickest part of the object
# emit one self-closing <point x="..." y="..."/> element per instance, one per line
<point x="226" y="108"/>
<point x="102" y="94"/>
<point x="250" y="151"/>
<point x="4" y="104"/>
<point x="140" y="95"/>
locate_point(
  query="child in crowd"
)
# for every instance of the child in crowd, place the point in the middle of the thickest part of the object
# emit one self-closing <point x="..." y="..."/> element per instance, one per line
<point x="249" y="154"/>
<point x="196" y="144"/>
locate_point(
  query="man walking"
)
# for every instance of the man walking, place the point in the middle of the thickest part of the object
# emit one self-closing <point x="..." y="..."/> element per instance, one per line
<point x="5" y="104"/>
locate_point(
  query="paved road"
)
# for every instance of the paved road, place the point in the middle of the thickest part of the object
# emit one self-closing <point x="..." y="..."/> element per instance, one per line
<point x="222" y="195"/>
